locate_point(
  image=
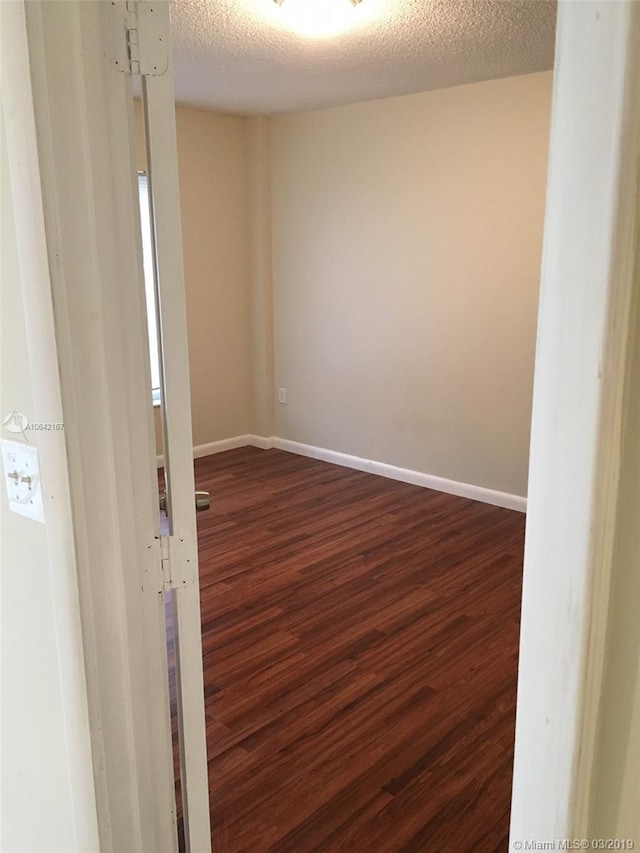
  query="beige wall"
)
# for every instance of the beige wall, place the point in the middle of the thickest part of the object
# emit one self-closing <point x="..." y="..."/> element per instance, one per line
<point x="406" y="257"/>
<point x="402" y="240"/>
<point x="47" y="801"/>
<point x="213" y="166"/>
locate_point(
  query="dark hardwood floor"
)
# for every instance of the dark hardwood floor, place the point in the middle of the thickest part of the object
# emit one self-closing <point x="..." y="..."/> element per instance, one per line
<point x="360" y="649"/>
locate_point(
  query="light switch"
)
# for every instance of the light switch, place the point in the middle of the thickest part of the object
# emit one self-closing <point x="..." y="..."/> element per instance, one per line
<point x="22" y="479"/>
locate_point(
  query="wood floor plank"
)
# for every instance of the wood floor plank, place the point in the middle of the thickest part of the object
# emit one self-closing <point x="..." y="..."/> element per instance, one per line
<point x="360" y="642"/>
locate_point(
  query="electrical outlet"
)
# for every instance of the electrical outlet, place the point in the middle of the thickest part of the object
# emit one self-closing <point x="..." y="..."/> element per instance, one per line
<point x="282" y="394"/>
<point x="22" y="479"/>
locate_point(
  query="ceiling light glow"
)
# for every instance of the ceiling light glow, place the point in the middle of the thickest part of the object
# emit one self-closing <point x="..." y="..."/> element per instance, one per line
<point x="318" y="18"/>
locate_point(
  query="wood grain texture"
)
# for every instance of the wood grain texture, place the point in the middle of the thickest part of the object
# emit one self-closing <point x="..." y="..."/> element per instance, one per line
<point x="360" y="642"/>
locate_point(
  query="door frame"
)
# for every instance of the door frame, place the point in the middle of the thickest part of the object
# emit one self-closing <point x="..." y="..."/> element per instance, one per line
<point x="584" y="347"/>
<point x="85" y="130"/>
<point x="581" y="363"/>
<point x="57" y="586"/>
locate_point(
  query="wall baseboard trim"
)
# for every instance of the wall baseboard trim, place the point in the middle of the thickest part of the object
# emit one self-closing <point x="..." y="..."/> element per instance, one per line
<point x="212" y="447"/>
<point x="406" y="475"/>
<point x="370" y="466"/>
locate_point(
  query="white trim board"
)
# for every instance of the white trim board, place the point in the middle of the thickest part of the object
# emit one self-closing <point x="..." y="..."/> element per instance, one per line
<point x="223" y="444"/>
<point x="406" y="475"/>
<point x="370" y="466"/>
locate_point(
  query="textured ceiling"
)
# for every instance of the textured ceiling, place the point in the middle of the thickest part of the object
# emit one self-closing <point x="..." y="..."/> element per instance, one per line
<point x="241" y="56"/>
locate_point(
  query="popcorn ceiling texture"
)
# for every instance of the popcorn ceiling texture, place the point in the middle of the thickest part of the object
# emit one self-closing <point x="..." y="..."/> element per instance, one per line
<point x="238" y="56"/>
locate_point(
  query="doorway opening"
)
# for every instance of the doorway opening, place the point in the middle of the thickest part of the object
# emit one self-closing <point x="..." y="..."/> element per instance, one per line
<point x="360" y="633"/>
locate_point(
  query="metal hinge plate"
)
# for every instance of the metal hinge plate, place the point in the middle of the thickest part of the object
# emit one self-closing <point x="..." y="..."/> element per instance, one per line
<point x="177" y="568"/>
<point x="138" y="33"/>
<point x="165" y="562"/>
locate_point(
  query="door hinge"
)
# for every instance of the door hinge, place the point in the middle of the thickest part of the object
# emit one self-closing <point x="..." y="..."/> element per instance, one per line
<point x="138" y="33"/>
<point x="178" y="566"/>
<point x="165" y="562"/>
<point x="132" y="35"/>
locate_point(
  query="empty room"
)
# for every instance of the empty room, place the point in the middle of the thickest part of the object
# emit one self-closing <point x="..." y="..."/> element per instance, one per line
<point x="319" y="426"/>
<point x="361" y="288"/>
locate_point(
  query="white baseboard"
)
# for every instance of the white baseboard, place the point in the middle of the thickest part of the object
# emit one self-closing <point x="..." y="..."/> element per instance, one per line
<point x="382" y="469"/>
<point x="226" y="444"/>
<point x="406" y="475"/>
<point x="231" y="443"/>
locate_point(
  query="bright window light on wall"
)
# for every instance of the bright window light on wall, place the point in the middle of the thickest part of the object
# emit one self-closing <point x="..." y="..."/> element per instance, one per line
<point x="318" y="18"/>
<point x="149" y="289"/>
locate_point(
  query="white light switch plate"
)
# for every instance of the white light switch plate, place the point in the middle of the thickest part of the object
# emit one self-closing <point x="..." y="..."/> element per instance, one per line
<point x="22" y="479"/>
